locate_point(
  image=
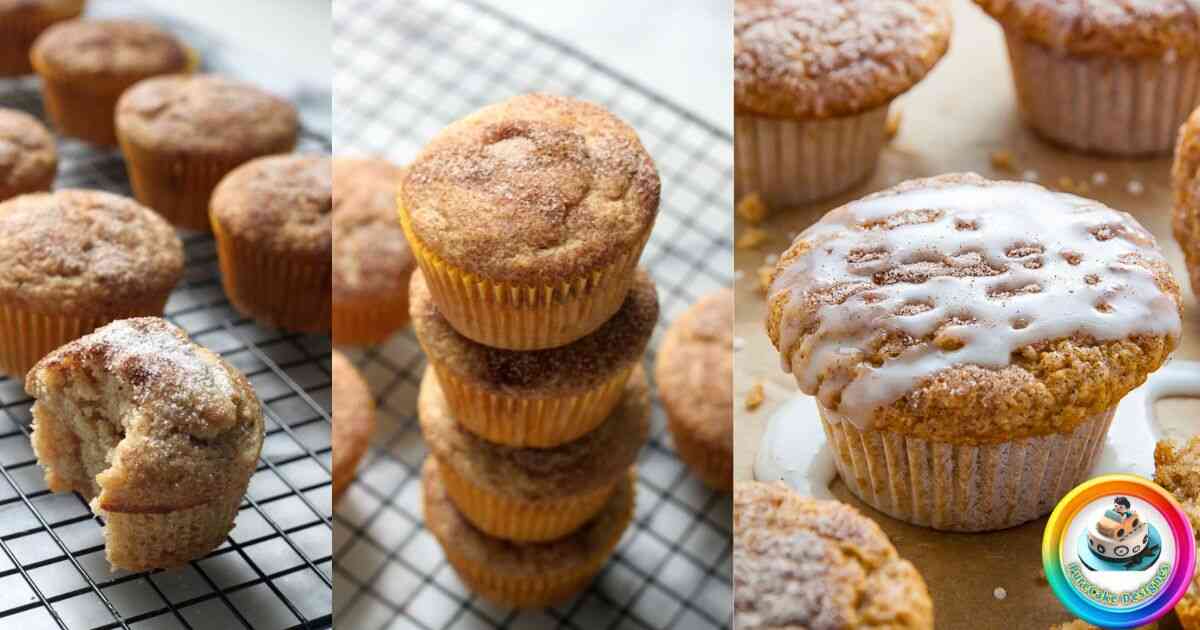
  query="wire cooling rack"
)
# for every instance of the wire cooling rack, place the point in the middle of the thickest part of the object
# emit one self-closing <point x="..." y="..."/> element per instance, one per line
<point x="402" y="72"/>
<point x="275" y="569"/>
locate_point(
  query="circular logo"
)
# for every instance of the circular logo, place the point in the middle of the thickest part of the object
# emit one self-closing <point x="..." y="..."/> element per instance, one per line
<point x="1118" y="551"/>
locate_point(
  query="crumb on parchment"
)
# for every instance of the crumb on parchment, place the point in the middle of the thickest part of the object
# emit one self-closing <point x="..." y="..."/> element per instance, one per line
<point x="755" y="397"/>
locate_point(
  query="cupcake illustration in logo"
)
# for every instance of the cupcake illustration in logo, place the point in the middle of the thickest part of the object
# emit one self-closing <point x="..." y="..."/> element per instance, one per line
<point x="1120" y="540"/>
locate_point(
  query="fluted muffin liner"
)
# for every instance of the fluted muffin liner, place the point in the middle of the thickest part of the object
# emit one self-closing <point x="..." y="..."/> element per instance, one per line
<point x="795" y="162"/>
<point x="362" y="323"/>
<point x="514" y="317"/>
<point x="713" y="467"/>
<point x="960" y="487"/>
<point x="142" y="541"/>
<point x="277" y="290"/>
<point x="1104" y="104"/>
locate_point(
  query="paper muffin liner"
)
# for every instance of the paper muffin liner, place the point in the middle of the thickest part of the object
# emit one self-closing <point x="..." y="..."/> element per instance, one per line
<point x="513" y="317"/>
<point x="277" y="290"/>
<point x="521" y="521"/>
<point x="1104" y="104"/>
<point x="363" y="323"/>
<point x="795" y="162"/>
<point x="139" y="541"/>
<point x="957" y="487"/>
<point x="20" y="30"/>
<point x="82" y="111"/>
<point x="713" y="467"/>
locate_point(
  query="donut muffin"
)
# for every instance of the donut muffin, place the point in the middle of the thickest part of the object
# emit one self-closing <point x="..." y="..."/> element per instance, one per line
<point x="968" y="341"/>
<point x="694" y="373"/>
<point x="21" y="21"/>
<point x="353" y="421"/>
<point x="1186" y="179"/>
<point x="158" y="433"/>
<point x="86" y="65"/>
<point x="28" y="157"/>
<point x="1177" y="469"/>
<point x="74" y="260"/>
<point x="528" y="218"/>
<point x="804" y="563"/>
<point x="182" y="134"/>
<point x="1115" y="77"/>
<point x="371" y="259"/>
<point x="812" y="83"/>
<point x="271" y="219"/>
<point x="532" y="575"/>
<point x="540" y="398"/>
<point x="528" y="494"/>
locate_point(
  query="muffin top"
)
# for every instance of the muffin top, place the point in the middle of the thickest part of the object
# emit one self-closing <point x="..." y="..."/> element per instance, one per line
<point x="122" y="49"/>
<point x="803" y="563"/>
<point x="206" y="114"/>
<point x="579" y="366"/>
<point x="595" y="538"/>
<point x="961" y="309"/>
<point x="823" y="58"/>
<point x="353" y="417"/>
<point x="1133" y="28"/>
<point x="371" y="258"/>
<point x="85" y="252"/>
<point x="536" y="190"/>
<point x="27" y="150"/>
<point x="583" y="465"/>
<point x="1186" y="183"/>
<point x="695" y="370"/>
<point x="281" y="203"/>
<point x="187" y="415"/>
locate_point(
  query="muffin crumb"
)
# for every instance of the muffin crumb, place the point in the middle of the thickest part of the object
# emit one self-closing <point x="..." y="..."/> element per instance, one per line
<point x="752" y="209"/>
<point x="755" y="397"/>
<point x="752" y="237"/>
<point x="1003" y="160"/>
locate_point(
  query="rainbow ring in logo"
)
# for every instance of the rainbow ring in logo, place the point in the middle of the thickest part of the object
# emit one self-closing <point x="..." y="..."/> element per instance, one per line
<point x="1055" y="543"/>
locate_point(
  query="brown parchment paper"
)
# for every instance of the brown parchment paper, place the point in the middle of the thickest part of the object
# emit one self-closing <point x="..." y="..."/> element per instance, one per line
<point x="953" y="121"/>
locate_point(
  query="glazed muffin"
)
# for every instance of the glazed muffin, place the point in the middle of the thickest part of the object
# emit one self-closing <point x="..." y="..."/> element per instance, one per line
<point x="968" y="342"/>
<point x="21" y="21"/>
<point x="74" y="260"/>
<point x="1186" y="179"/>
<point x="353" y="421"/>
<point x="694" y="373"/>
<point x="182" y="134"/>
<point x="371" y="260"/>
<point x="529" y="494"/>
<point x="530" y="575"/>
<point x="271" y="220"/>
<point x="1114" y="77"/>
<point x="804" y="563"/>
<point x="86" y="65"/>
<point x="28" y="156"/>
<point x="528" y="218"/>
<point x="1177" y="469"/>
<point x="158" y="433"/>
<point x="540" y="398"/>
<point x="813" y="80"/>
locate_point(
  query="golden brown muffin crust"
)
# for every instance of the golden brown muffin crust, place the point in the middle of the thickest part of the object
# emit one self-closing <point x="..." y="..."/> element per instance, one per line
<point x="108" y="48"/>
<point x="1177" y="469"/>
<point x="1186" y="177"/>
<point x="371" y="258"/>
<point x="83" y="251"/>
<point x="281" y="203"/>
<point x="823" y="58"/>
<point x="1131" y="28"/>
<point x="27" y="153"/>
<point x="353" y="420"/>
<point x="576" y="367"/>
<point x="695" y="371"/>
<point x="536" y="190"/>
<point x="586" y="464"/>
<point x="206" y="114"/>
<point x="803" y="563"/>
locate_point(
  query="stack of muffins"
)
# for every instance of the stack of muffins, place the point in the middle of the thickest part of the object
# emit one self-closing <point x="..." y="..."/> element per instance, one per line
<point x="527" y="220"/>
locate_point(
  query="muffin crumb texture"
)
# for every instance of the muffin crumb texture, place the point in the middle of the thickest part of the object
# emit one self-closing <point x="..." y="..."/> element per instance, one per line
<point x="1186" y="182"/>
<point x="1130" y="28"/>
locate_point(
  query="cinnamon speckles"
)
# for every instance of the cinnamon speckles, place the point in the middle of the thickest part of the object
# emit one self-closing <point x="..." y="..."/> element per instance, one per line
<point x="280" y="203"/>
<point x="1134" y="28"/>
<point x="97" y="48"/>
<point x="370" y="255"/>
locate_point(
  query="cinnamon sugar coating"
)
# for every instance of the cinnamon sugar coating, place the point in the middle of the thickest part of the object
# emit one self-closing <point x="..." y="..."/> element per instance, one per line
<point x="281" y="203"/>
<point x="85" y="251"/>
<point x="89" y="49"/>
<point x="586" y="464"/>
<point x="371" y="258"/>
<point x="803" y="563"/>
<point x="28" y="156"/>
<point x="536" y="190"/>
<point x="823" y="58"/>
<point x="353" y="421"/>
<point x="1130" y="28"/>
<point x="1186" y="181"/>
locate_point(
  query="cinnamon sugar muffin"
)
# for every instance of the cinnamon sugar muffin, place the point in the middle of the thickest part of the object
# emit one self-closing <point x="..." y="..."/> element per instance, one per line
<point x="74" y="260"/>
<point x="28" y="157"/>
<point x="1106" y="76"/>
<point x="805" y="563"/>
<point x="86" y="65"/>
<point x="530" y="494"/>
<point x="1177" y="469"/>
<point x="812" y="83"/>
<point x="158" y="433"/>
<point x="353" y="421"/>
<point x="695" y="382"/>
<point x="530" y="575"/>
<point x="271" y="219"/>
<point x="968" y="341"/>
<point x="371" y="259"/>
<point x="182" y="134"/>
<point x="21" y="21"/>
<point x="1186" y="179"/>
<point x="528" y="218"/>
<point x="540" y="398"/>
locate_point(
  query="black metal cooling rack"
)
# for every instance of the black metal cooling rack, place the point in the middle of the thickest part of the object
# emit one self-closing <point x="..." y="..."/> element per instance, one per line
<point x="402" y="72"/>
<point x="275" y="570"/>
